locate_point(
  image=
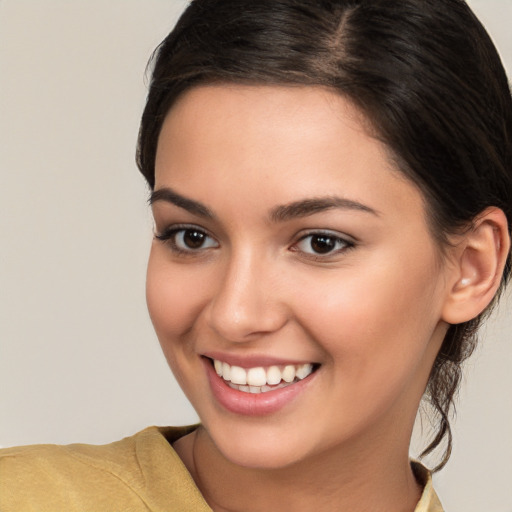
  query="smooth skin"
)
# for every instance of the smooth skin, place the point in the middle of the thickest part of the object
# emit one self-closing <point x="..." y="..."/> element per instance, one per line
<point x="358" y="287"/>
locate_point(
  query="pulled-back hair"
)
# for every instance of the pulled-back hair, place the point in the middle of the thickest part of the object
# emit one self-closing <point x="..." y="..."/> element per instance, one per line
<point x="424" y="72"/>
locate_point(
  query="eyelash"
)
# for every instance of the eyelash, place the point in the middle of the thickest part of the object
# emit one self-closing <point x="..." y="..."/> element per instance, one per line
<point x="169" y="235"/>
<point x="338" y="240"/>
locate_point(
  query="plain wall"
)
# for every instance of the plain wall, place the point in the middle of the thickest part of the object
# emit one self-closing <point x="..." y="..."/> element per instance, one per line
<point x="78" y="357"/>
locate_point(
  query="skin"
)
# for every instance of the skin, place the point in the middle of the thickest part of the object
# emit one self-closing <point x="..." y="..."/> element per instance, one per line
<point x="371" y="314"/>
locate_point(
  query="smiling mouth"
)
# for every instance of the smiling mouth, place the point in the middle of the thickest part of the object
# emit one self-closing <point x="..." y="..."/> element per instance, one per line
<point x="261" y="379"/>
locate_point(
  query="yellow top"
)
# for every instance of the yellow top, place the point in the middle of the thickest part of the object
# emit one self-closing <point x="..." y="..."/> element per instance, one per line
<point x="138" y="473"/>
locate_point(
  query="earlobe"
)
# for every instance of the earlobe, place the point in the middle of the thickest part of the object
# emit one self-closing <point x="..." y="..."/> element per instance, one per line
<point x="481" y="256"/>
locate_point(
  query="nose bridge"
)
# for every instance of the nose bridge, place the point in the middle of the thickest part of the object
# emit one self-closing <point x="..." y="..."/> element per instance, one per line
<point x="245" y="301"/>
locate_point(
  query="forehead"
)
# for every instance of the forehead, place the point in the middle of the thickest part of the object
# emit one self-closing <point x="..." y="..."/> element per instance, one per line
<point x="219" y="103"/>
<point x="277" y="143"/>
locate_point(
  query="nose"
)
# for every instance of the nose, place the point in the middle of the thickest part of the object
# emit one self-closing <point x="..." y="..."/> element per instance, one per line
<point x="246" y="303"/>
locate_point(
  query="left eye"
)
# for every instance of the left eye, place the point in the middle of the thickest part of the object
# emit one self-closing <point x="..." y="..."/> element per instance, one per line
<point x="321" y="243"/>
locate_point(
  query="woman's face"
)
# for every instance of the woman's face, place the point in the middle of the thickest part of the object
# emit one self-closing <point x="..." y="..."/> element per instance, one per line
<point x="289" y="249"/>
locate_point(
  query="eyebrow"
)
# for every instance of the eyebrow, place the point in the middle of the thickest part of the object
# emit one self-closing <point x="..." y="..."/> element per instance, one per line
<point x="306" y="207"/>
<point x="282" y="213"/>
<point x="170" y="196"/>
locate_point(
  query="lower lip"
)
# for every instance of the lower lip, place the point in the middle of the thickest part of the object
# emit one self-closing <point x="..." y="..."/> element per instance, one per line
<point x="253" y="404"/>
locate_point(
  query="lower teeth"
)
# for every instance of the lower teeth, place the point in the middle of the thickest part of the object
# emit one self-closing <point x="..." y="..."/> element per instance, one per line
<point x="258" y="389"/>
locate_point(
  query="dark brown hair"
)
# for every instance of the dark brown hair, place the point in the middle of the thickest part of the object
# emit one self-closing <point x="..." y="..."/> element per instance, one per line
<point x="424" y="72"/>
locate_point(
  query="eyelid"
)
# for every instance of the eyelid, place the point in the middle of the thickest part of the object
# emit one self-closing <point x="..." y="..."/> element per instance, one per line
<point x="173" y="228"/>
<point x="326" y="232"/>
<point x="347" y="241"/>
<point x="167" y="236"/>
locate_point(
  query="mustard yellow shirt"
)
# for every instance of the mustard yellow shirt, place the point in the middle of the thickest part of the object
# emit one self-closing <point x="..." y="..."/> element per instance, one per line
<point x="138" y="473"/>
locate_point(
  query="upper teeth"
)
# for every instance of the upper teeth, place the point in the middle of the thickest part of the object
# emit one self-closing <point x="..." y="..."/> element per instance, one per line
<point x="260" y="376"/>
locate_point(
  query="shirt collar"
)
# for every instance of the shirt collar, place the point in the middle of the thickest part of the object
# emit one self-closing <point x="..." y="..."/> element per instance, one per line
<point x="429" y="502"/>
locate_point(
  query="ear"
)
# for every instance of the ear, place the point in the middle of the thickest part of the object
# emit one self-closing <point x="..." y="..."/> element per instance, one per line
<point x="480" y="258"/>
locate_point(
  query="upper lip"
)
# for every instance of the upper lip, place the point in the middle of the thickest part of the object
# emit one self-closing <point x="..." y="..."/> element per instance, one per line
<point x="253" y="360"/>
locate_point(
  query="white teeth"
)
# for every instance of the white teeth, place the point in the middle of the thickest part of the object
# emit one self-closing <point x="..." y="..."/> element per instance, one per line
<point x="273" y="375"/>
<point x="289" y="373"/>
<point x="257" y="376"/>
<point x="226" y="371"/>
<point x="304" y="370"/>
<point x="238" y="375"/>
<point x="259" y="379"/>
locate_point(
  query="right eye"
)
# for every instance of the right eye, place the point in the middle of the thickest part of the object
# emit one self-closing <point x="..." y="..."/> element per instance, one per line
<point x="187" y="239"/>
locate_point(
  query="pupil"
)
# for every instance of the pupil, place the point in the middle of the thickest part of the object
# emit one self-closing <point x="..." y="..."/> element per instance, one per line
<point x="322" y="244"/>
<point x="193" y="239"/>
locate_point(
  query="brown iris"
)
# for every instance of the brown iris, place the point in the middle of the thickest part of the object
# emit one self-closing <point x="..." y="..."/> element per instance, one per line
<point x="322" y="244"/>
<point x="193" y="239"/>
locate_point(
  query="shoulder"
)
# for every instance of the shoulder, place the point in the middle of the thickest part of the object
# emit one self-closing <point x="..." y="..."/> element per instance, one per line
<point x="125" y="475"/>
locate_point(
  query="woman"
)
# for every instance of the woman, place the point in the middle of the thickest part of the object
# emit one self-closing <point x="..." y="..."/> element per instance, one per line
<point x="332" y="193"/>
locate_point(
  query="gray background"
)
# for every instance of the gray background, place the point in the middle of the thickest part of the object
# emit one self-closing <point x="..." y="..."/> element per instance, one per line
<point x="78" y="357"/>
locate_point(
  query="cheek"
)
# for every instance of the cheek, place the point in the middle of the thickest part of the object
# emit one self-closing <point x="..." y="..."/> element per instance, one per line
<point x="377" y="333"/>
<point x="174" y="297"/>
<point x="375" y="322"/>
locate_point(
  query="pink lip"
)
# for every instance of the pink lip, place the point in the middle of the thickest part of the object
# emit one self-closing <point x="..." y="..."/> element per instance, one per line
<point x="250" y="404"/>
<point x="251" y="361"/>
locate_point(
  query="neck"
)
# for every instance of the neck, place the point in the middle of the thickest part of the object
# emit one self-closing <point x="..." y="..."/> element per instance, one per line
<point x="366" y="476"/>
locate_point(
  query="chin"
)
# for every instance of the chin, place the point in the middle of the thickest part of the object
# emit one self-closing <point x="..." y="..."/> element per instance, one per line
<point x="258" y="447"/>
